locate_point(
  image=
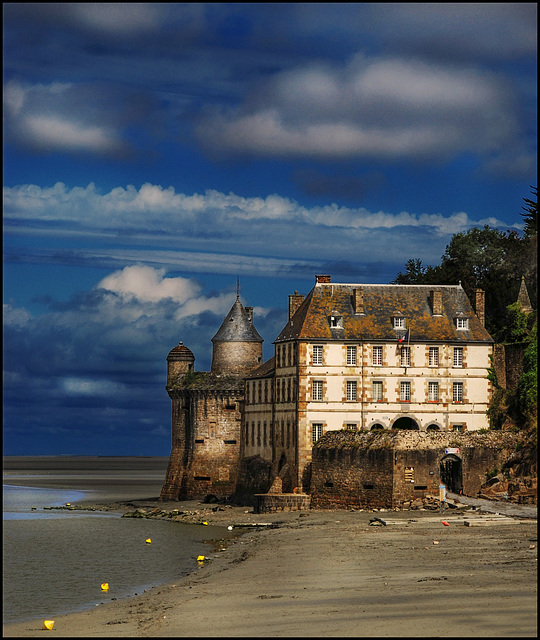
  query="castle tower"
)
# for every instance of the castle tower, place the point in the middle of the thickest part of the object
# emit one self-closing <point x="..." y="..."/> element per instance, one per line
<point x="180" y="360"/>
<point x="207" y="409"/>
<point x="237" y="346"/>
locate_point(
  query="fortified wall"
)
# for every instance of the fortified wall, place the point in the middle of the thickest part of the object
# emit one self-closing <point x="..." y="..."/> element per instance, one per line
<point x="393" y="468"/>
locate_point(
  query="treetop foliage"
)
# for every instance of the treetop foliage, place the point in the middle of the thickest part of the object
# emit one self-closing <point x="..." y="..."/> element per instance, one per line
<point x="496" y="261"/>
<point x="489" y="259"/>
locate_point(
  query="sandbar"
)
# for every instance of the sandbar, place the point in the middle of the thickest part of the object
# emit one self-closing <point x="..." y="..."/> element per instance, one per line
<point x="329" y="573"/>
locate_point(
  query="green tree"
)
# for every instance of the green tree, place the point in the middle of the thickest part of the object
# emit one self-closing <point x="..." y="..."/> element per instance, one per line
<point x="488" y="259"/>
<point x="416" y="273"/>
<point x="531" y="214"/>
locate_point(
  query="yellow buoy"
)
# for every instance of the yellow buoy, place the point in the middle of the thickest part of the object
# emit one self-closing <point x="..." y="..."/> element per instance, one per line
<point x="201" y="559"/>
<point x="68" y="504"/>
<point x="148" y="541"/>
<point x="48" y="624"/>
<point x="205" y="523"/>
<point x="105" y="586"/>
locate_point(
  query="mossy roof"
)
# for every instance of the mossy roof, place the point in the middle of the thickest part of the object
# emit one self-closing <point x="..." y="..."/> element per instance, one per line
<point x="381" y="303"/>
<point x="207" y="381"/>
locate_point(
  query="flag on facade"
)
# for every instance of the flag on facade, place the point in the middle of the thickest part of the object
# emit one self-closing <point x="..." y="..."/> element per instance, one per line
<point x="404" y="336"/>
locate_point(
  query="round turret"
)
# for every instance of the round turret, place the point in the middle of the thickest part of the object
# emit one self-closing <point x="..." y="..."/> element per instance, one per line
<point x="237" y="346"/>
<point x="180" y="360"/>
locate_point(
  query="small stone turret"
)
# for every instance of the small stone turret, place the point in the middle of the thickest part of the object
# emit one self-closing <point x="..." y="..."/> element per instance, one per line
<point x="523" y="297"/>
<point x="180" y="360"/>
<point x="237" y="346"/>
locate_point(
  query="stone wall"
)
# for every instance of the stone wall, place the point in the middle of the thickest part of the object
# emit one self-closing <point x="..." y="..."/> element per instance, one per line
<point x="207" y="415"/>
<point x="272" y="502"/>
<point x="508" y="363"/>
<point x="351" y="477"/>
<point x="254" y="477"/>
<point x="393" y="468"/>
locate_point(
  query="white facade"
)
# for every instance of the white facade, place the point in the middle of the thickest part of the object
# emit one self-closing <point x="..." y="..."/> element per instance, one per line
<point x="448" y="394"/>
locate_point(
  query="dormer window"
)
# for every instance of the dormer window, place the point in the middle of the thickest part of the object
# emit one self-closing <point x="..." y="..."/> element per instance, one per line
<point x="462" y="324"/>
<point x="335" y="322"/>
<point x="399" y="322"/>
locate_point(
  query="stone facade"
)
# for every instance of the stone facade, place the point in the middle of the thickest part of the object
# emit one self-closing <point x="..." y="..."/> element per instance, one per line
<point x="207" y="411"/>
<point x="393" y="469"/>
<point x="352" y="360"/>
<point x="362" y="357"/>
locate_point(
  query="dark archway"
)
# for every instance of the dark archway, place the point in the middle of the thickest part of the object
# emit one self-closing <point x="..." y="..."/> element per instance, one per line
<point x="377" y="427"/>
<point x="433" y="427"/>
<point x="405" y="423"/>
<point x="452" y="473"/>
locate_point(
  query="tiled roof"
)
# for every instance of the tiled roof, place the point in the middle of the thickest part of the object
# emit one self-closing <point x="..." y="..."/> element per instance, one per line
<point x="265" y="370"/>
<point x="381" y="303"/>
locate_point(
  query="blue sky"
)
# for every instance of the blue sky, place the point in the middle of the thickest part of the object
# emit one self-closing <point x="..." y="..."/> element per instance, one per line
<point x="153" y="153"/>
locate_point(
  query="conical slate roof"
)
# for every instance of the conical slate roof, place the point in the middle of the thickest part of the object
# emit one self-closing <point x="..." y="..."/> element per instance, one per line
<point x="237" y="326"/>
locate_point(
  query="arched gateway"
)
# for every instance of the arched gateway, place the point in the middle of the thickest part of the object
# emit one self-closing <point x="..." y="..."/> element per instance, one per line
<point x="451" y="469"/>
<point x="405" y="423"/>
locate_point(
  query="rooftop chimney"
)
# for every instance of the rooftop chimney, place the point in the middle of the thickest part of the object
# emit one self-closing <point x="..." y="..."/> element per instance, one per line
<point x="358" y="300"/>
<point x="480" y="306"/>
<point x="436" y="302"/>
<point x="323" y="279"/>
<point x="295" y="300"/>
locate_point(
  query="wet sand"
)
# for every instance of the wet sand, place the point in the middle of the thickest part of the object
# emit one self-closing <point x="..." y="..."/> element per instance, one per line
<point x="105" y="478"/>
<point x="332" y="573"/>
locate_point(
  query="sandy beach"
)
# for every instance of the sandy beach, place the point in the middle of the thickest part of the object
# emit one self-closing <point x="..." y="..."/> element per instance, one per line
<point x="332" y="573"/>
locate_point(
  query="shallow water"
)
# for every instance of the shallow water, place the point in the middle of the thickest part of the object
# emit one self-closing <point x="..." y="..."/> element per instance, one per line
<point x="55" y="561"/>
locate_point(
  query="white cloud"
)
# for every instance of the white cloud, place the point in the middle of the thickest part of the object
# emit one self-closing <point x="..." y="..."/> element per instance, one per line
<point x="15" y="316"/>
<point x="53" y="133"/>
<point x="75" y="386"/>
<point x="379" y="108"/>
<point x="149" y="285"/>
<point x="64" y="117"/>
<point x="141" y="289"/>
<point x="153" y="208"/>
<point x="117" y="17"/>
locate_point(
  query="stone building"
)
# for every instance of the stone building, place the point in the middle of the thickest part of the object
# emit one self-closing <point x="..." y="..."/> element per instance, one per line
<point x="353" y="357"/>
<point x="366" y="357"/>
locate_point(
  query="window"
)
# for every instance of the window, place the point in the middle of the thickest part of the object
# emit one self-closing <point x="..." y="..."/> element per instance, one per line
<point x="462" y="323"/>
<point x="434" y="356"/>
<point x="317" y="354"/>
<point x="351" y="356"/>
<point x="405" y="391"/>
<point x="457" y="392"/>
<point x="335" y="321"/>
<point x="317" y="391"/>
<point x="351" y="426"/>
<point x="399" y="322"/>
<point x="377" y="356"/>
<point x="458" y="356"/>
<point x="351" y="389"/>
<point x="433" y="391"/>
<point x="405" y="356"/>
<point x="316" y="431"/>
<point x="377" y="391"/>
